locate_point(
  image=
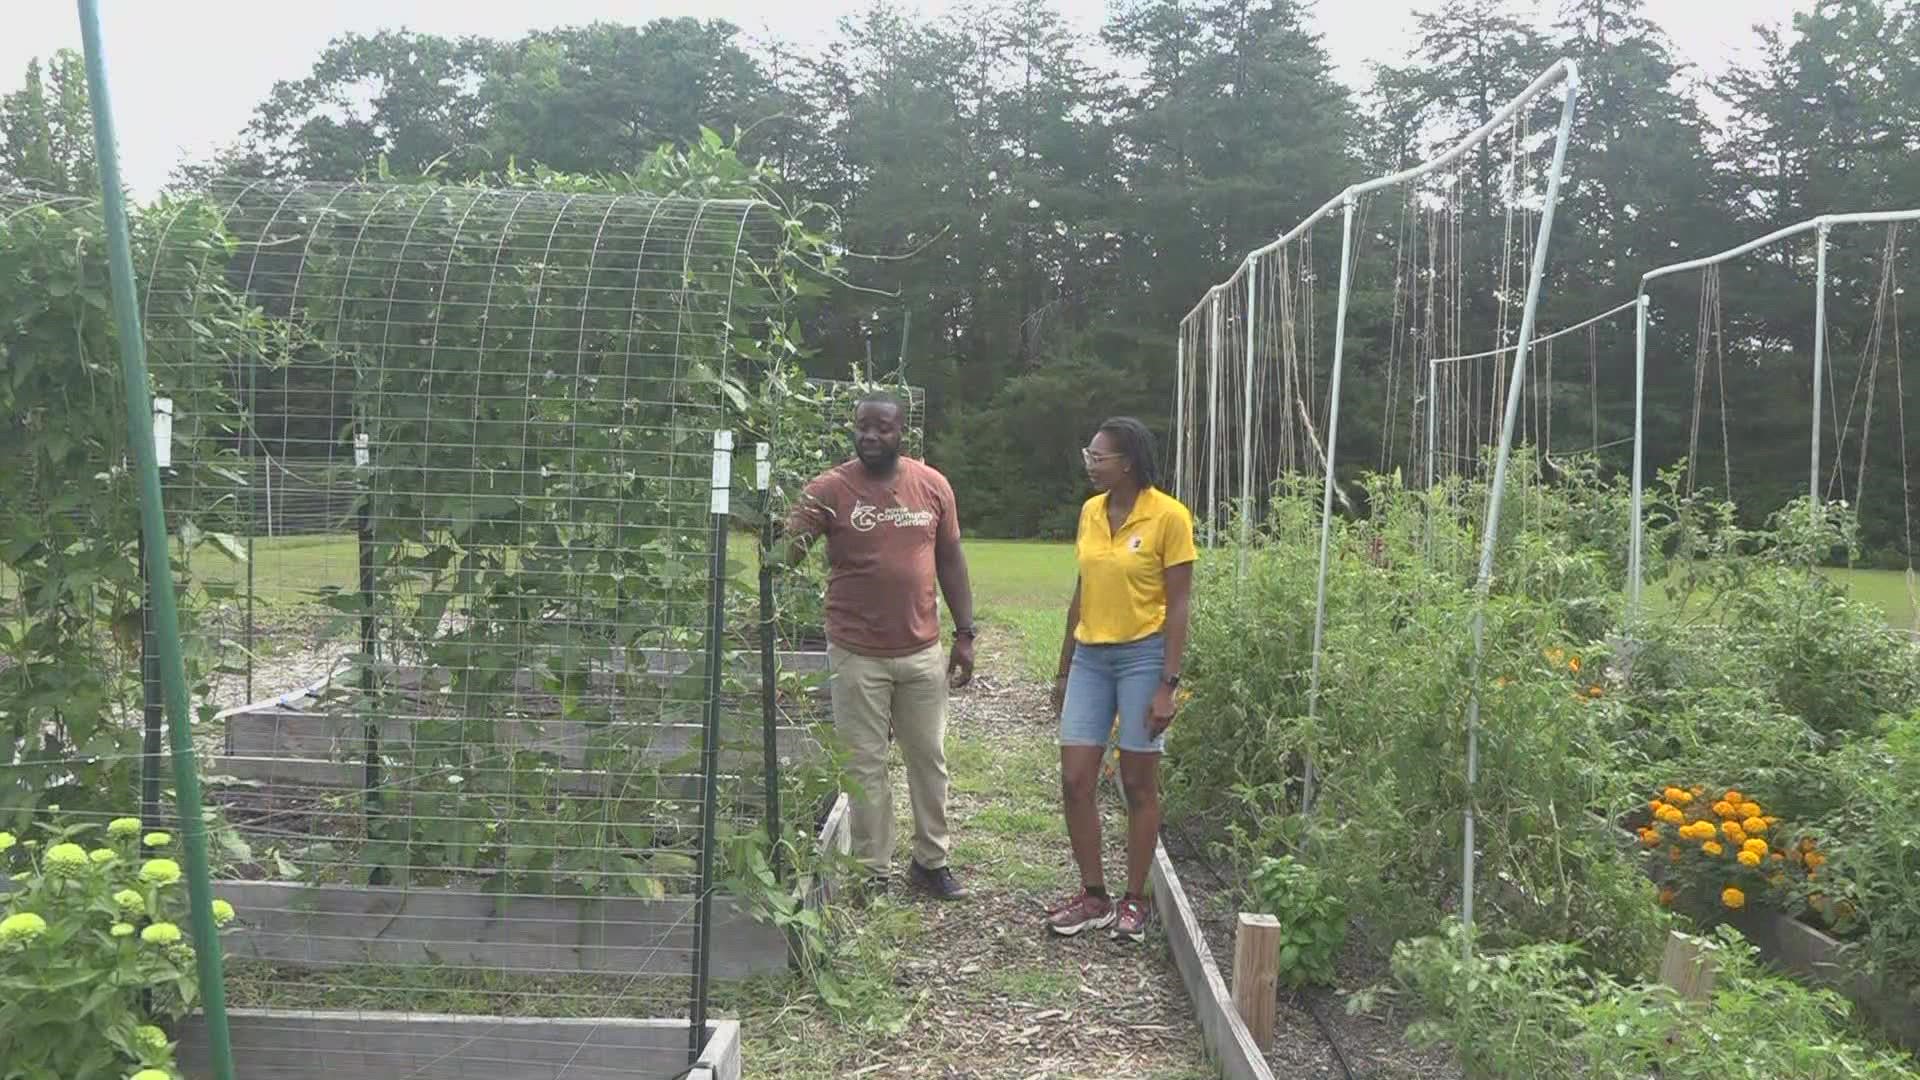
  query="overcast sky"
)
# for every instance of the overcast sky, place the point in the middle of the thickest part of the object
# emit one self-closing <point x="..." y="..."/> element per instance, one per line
<point x="186" y="74"/>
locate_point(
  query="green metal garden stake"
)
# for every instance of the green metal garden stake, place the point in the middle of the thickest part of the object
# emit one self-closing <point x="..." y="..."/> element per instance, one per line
<point x="153" y="527"/>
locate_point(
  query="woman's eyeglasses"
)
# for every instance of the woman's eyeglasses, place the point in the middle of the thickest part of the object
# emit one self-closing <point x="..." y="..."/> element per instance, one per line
<point x="1092" y="457"/>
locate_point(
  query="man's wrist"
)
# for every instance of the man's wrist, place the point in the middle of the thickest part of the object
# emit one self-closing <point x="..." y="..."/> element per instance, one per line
<point x="968" y="631"/>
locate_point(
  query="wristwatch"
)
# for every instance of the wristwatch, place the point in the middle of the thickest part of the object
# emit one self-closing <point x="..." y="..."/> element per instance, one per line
<point x="1172" y="681"/>
<point x="965" y="632"/>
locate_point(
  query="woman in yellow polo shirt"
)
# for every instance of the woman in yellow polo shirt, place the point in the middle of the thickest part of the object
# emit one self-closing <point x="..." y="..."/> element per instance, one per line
<point x="1126" y="632"/>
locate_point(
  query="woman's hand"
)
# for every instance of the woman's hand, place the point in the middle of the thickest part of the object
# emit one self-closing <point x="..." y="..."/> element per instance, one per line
<point x="1160" y="717"/>
<point x="1059" y="695"/>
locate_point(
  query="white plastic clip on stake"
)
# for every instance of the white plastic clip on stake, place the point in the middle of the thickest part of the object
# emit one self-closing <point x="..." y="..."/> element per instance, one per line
<point x="762" y="467"/>
<point x="163" y="432"/>
<point x="362" y="451"/>
<point x="722" y="470"/>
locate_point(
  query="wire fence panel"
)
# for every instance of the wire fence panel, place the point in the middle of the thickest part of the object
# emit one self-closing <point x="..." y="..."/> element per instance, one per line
<point x="461" y="496"/>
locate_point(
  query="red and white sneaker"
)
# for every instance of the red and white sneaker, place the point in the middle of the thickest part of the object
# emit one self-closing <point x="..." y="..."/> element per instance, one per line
<point x="1130" y="920"/>
<point x="1083" y="911"/>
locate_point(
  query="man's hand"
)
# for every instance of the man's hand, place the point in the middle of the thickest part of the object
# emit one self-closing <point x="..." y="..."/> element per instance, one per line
<point x="1160" y="717"/>
<point x="960" y="662"/>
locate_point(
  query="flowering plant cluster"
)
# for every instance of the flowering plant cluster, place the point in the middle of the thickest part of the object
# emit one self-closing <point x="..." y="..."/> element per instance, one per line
<point x="1721" y="851"/>
<point x="93" y="959"/>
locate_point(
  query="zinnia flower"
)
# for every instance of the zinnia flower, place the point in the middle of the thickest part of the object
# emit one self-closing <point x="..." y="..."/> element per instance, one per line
<point x="222" y="912"/>
<point x="160" y="871"/>
<point x="160" y="933"/>
<point x="150" y="1037"/>
<point x="123" y="827"/>
<point x="67" y="859"/>
<point x="22" y="926"/>
<point x="121" y="929"/>
<point x="130" y="901"/>
<point x="102" y="856"/>
<point x="158" y="839"/>
<point x="1733" y="898"/>
<point x="151" y="1074"/>
<point x="7" y="840"/>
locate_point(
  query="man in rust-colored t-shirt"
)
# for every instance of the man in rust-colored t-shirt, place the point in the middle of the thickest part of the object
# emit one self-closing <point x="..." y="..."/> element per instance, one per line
<point x="893" y="534"/>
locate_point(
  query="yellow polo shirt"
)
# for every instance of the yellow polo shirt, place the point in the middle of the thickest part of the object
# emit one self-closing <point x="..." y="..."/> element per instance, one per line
<point x="1123" y="586"/>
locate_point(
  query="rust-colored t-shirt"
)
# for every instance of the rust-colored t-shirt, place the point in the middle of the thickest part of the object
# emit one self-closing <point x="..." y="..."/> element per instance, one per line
<point x="881" y="533"/>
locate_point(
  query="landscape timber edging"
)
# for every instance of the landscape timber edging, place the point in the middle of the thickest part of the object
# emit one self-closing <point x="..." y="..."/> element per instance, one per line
<point x="300" y="1044"/>
<point x="1228" y="1040"/>
<point x="294" y="924"/>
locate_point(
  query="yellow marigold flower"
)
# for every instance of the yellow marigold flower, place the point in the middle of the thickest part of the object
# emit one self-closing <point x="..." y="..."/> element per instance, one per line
<point x="7" y="840"/>
<point x="1806" y="844"/>
<point x="1733" y="898"/>
<point x="1770" y="820"/>
<point x="1723" y="808"/>
<point x="67" y="859"/>
<point x="160" y="871"/>
<point x="1734" y="797"/>
<point x="1698" y="789"/>
<point x="1712" y="847"/>
<point x="222" y="912"/>
<point x="1750" y="810"/>
<point x="102" y="856"/>
<point x="1754" y="826"/>
<point x="1815" y="861"/>
<point x="121" y="929"/>
<point x="1656" y="805"/>
<point x="158" y="839"/>
<point x="160" y="933"/>
<point x="1732" y="831"/>
<point x="1755" y="845"/>
<point x="1685" y="796"/>
<point x="1672" y="815"/>
<point x="150" y="1038"/>
<point x="1649" y="838"/>
<point x="22" y="926"/>
<point x="123" y="827"/>
<point x="1749" y="858"/>
<point x="1573" y="664"/>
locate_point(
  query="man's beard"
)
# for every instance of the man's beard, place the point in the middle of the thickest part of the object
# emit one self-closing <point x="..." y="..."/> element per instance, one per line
<point x="879" y="460"/>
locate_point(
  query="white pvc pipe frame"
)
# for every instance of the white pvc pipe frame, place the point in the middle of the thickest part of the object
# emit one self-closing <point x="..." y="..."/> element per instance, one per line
<point x="1562" y="72"/>
<point x="1820" y="226"/>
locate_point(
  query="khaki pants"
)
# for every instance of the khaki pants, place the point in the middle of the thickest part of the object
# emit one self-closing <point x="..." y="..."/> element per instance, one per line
<point x="909" y="695"/>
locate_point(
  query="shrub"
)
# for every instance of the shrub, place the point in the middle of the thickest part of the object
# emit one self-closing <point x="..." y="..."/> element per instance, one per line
<point x="1313" y="922"/>
<point x="92" y="956"/>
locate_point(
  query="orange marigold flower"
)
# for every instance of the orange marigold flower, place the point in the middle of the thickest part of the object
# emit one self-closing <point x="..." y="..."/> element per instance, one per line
<point x="1733" y="898"/>
<point x="1649" y="838"/>
<point x="1666" y="897"/>
<point x="1754" y="825"/>
<point x="1750" y="810"/>
<point x="1815" y="861"/>
<point x="1734" y="797"/>
<point x="1655" y="805"/>
<point x="1595" y="692"/>
<point x="1573" y="664"/>
<point x="1732" y="831"/>
<point x="1712" y="847"/>
<point x="1724" y="808"/>
<point x="1749" y="858"/>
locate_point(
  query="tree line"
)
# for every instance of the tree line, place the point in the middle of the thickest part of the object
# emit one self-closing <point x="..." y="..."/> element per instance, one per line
<point x="1029" y="217"/>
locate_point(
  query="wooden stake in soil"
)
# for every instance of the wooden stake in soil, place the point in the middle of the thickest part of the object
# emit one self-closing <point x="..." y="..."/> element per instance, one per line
<point x="1687" y="965"/>
<point x="1256" y="970"/>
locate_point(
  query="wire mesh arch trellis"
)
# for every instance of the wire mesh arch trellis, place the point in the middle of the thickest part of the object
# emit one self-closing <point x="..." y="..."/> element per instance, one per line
<point x="494" y="742"/>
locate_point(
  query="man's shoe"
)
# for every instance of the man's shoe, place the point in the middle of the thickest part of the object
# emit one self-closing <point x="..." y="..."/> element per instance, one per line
<point x="1082" y="911"/>
<point x="939" y="884"/>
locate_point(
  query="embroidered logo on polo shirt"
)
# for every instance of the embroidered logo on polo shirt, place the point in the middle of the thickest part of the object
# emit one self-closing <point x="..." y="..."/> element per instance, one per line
<point x="866" y="517"/>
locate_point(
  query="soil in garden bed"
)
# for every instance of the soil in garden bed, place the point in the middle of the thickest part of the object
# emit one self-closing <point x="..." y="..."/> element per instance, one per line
<point x="1314" y="1036"/>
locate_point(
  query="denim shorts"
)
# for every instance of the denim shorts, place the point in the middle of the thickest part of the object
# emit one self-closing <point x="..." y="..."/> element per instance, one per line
<point x="1109" y="679"/>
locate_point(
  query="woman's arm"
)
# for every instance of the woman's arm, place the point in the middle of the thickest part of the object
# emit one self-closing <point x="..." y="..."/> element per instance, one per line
<point x="1073" y="623"/>
<point x="1179" y="581"/>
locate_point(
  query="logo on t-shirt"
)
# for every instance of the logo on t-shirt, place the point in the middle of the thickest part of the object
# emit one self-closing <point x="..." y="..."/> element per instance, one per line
<point x="1133" y="544"/>
<point x="866" y="517"/>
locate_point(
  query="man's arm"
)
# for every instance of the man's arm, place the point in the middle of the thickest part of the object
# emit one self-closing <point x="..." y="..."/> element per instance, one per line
<point x="806" y="523"/>
<point x="950" y="567"/>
